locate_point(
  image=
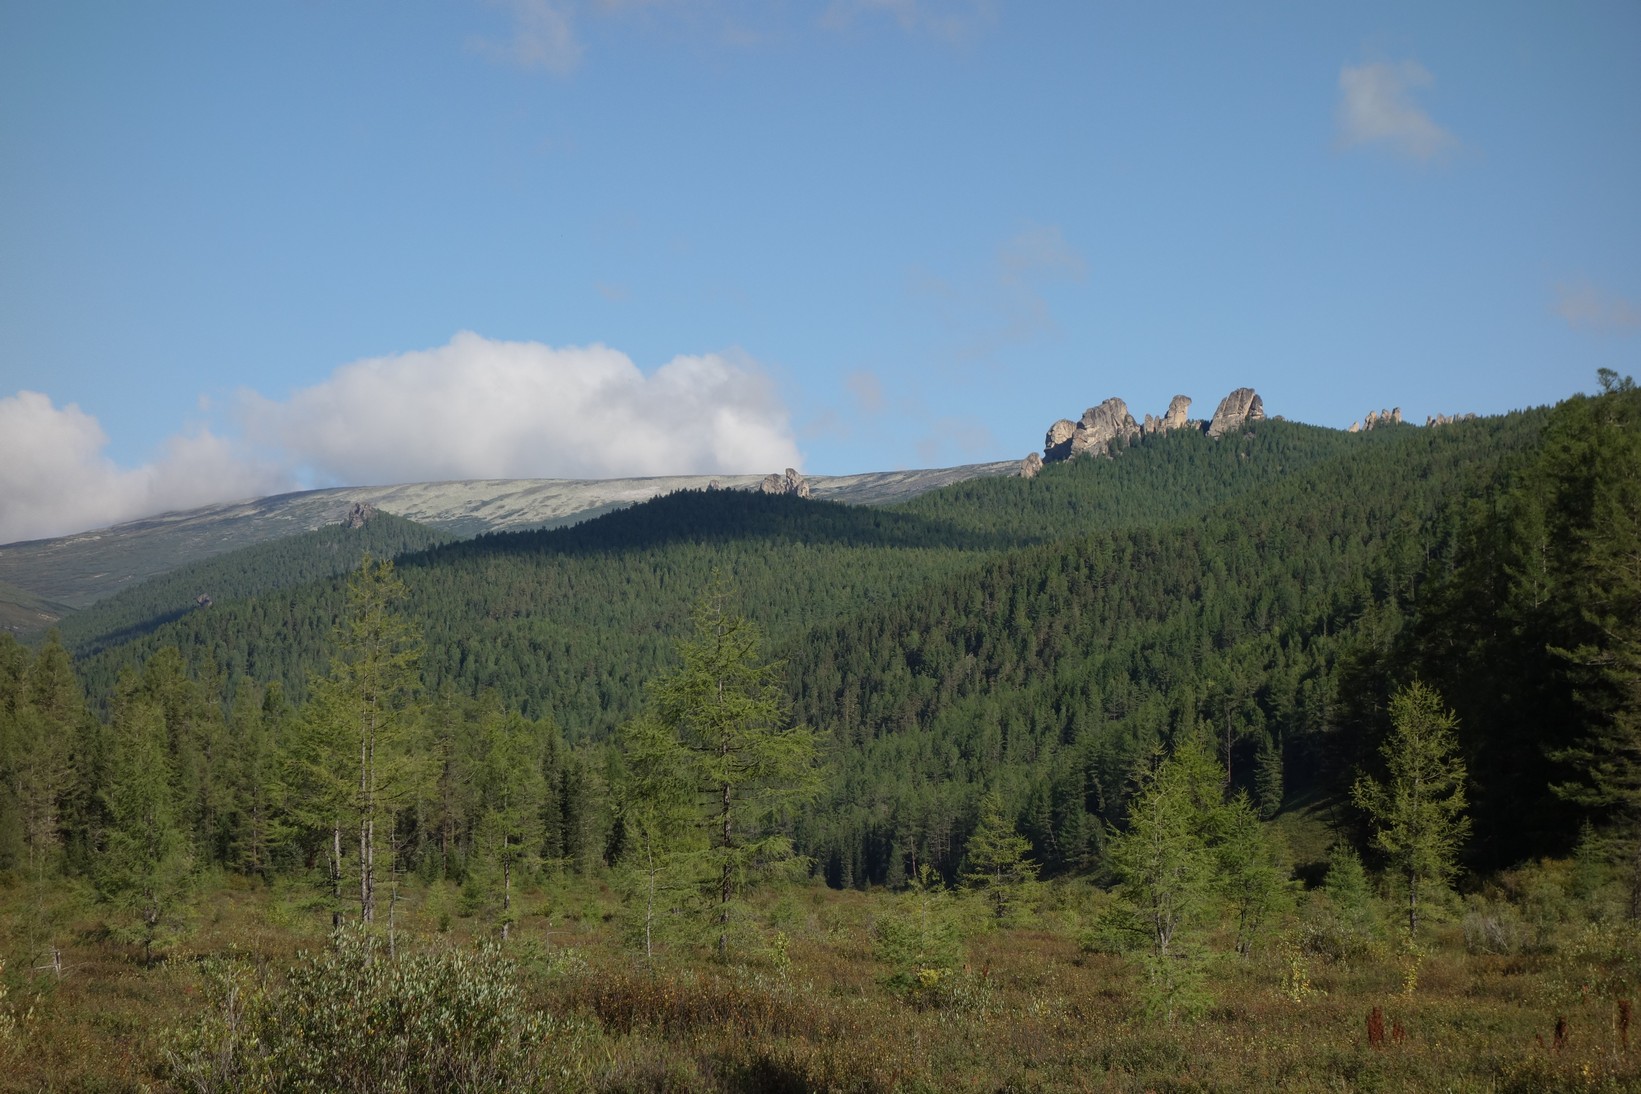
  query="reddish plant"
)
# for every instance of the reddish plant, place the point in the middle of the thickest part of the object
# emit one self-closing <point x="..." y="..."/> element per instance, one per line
<point x="1376" y="1028"/>
<point x="1624" y="1023"/>
<point x="1561" y="1033"/>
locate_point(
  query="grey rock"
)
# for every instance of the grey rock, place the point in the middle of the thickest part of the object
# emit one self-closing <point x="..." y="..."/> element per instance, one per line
<point x="789" y="483"/>
<point x="1236" y="411"/>
<point x="1030" y="466"/>
<point x="1057" y="442"/>
<point x="1101" y="426"/>
<point x="1178" y="416"/>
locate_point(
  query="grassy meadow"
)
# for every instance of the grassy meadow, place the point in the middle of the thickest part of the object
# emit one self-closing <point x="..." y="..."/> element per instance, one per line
<point x="1032" y="1005"/>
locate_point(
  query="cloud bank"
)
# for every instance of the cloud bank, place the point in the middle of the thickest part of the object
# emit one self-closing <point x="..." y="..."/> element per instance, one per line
<point x="54" y="478"/>
<point x="472" y="409"/>
<point x="478" y="408"/>
<point x="1376" y="107"/>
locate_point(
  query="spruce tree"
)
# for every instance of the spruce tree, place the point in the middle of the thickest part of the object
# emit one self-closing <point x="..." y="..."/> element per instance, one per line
<point x="998" y="865"/>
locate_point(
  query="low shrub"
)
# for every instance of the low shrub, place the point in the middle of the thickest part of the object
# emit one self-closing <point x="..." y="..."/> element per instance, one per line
<point x="354" y="1018"/>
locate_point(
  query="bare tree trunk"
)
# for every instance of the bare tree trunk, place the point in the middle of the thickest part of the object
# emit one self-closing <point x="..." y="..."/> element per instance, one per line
<point x="336" y="877"/>
<point x="649" y="899"/>
<point x="506" y="891"/>
<point x="726" y="883"/>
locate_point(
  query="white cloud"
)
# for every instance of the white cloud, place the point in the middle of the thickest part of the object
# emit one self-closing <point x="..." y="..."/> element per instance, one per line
<point x="54" y="478"/>
<point x="543" y="36"/>
<point x="478" y="408"/>
<point x="1588" y="307"/>
<point x="472" y="409"/>
<point x="1376" y="107"/>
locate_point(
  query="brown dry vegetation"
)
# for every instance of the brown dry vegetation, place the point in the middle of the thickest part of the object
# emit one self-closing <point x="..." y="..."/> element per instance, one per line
<point x="1031" y="1010"/>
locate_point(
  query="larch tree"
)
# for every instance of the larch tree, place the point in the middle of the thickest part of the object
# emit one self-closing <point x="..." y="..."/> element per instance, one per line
<point x="1163" y="859"/>
<point x="145" y="868"/>
<point x="513" y="793"/>
<point x="356" y="759"/>
<point x="662" y="837"/>
<point x="750" y="764"/>
<point x="1418" y="812"/>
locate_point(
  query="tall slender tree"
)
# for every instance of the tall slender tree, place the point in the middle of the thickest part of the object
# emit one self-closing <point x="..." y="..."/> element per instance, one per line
<point x="1418" y="813"/>
<point x="751" y="765"/>
<point x="357" y="761"/>
<point x="513" y="793"/>
<point x="146" y="866"/>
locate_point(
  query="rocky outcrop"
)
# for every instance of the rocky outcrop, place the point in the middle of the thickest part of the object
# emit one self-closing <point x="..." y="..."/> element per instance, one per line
<point x="1237" y="410"/>
<point x="1447" y="419"/>
<point x="1377" y="419"/>
<point x="789" y="483"/>
<point x="1057" y="442"/>
<point x="1177" y="416"/>
<point x="1179" y="413"/>
<point x="359" y="514"/>
<point x="1029" y="466"/>
<point x="1105" y="428"/>
<point x="1101" y="427"/>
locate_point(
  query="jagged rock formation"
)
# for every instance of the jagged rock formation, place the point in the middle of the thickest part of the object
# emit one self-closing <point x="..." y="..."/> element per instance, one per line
<point x="1377" y="418"/>
<point x="1235" y="411"/>
<point x="1447" y="419"/>
<point x="1057" y="442"/>
<point x="1177" y="417"/>
<point x="789" y="483"/>
<point x="1101" y="427"/>
<point x="359" y="514"/>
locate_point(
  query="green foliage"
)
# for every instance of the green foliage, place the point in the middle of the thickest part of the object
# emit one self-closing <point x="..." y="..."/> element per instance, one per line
<point x="261" y="572"/>
<point x="1342" y="921"/>
<point x="1254" y="871"/>
<point x="660" y="872"/>
<point x="920" y="938"/>
<point x="999" y="868"/>
<point x="354" y="1018"/>
<point x="41" y="716"/>
<point x="364" y="723"/>
<point x="511" y="788"/>
<point x="1164" y="860"/>
<point x="749" y="765"/>
<point x="1175" y="984"/>
<point x="1418" y="811"/>
<point x="146" y="867"/>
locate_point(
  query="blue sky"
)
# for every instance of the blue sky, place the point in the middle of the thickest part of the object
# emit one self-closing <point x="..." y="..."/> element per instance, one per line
<point x="246" y="248"/>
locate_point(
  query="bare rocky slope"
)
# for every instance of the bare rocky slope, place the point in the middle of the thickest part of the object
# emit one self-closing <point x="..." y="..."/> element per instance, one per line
<point x="40" y="580"/>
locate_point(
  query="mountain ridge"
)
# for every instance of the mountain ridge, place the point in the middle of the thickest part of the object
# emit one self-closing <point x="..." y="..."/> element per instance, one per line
<point x="41" y="578"/>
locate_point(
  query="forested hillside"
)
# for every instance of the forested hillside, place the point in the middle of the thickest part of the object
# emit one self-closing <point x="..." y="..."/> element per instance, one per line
<point x="267" y="568"/>
<point x="1189" y="647"/>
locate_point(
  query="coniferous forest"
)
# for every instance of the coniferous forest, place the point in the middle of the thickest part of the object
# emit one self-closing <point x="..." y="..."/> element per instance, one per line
<point x="1292" y="759"/>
